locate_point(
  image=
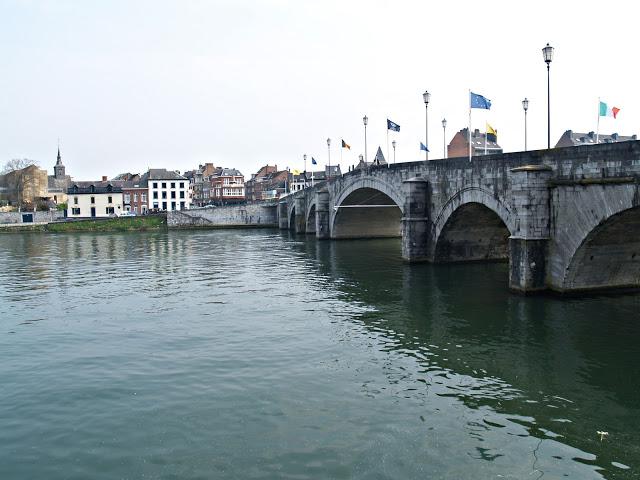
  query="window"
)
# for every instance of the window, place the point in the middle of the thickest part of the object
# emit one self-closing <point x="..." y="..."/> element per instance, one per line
<point x="127" y="198"/>
<point x="135" y="197"/>
<point x="135" y="209"/>
<point x="173" y="194"/>
<point x="182" y="194"/>
<point x="155" y="195"/>
<point x="143" y="197"/>
<point x="75" y="200"/>
<point x="93" y="200"/>
<point x="164" y="194"/>
<point x="109" y="210"/>
<point x="181" y="184"/>
<point x="227" y="180"/>
<point x="109" y="199"/>
<point x="164" y="205"/>
<point x="173" y="184"/>
<point x="155" y="184"/>
<point x="181" y="205"/>
<point x="155" y="205"/>
<point x="75" y="211"/>
<point x="164" y="184"/>
<point x="173" y="205"/>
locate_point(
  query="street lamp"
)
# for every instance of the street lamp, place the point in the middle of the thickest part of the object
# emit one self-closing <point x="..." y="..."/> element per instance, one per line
<point x="393" y="144"/>
<point x="547" y="54"/>
<point x="305" y="169"/>
<point x="426" y="96"/>
<point x="525" y="106"/>
<point x="444" y="138"/>
<point x="329" y="150"/>
<point x="365" y="120"/>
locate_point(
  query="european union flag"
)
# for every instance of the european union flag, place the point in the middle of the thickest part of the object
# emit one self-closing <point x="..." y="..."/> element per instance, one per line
<point x="423" y="147"/>
<point x="313" y="161"/>
<point x="392" y="126"/>
<point x="478" y="101"/>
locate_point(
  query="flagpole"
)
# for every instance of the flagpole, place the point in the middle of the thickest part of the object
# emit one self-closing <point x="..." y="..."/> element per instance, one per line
<point x="341" y="148"/>
<point x="598" y="123"/>
<point x="387" y="141"/>
<point x="469" y="132"/>
<point x="485" y="137"/>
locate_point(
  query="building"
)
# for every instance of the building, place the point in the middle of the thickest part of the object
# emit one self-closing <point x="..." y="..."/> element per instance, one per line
<point x="309" y="179"/>
<point x="255" y="186"/>
<point x="227" y="186"/>
<point x="135" y="196"/>
<point x="167" y="190"/>
<point x="573" y="139"/>
<point x="94" y="199"/>
<point x="59" y="182"/>
<point x="378" y="160"/>
<point x="26" y="187"/>
<point x="200" y="181"/>
<point x="481" y="144"/>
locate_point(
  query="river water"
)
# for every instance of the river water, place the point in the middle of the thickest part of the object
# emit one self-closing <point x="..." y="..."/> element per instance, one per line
<point x="256" y="354"/>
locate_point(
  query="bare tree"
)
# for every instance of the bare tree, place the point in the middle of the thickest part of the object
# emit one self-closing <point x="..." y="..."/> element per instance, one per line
<point x="17" y="164"/>
<point x="17" y="179"/>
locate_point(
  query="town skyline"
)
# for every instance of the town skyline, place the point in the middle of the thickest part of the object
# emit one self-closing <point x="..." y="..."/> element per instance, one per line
<point x="245" y="84"/>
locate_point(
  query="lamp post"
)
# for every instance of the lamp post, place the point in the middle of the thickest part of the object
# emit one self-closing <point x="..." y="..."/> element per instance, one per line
<point x="547" y="54"/>
<point x="444" y="138"/>
<point x="426" y="96"/>
<point x="329" y="151"/>
<point x="305" y="169"/>
<point x="525" y="107"/>
<point x="393" y="144"/>
<point x="365" y="120"/>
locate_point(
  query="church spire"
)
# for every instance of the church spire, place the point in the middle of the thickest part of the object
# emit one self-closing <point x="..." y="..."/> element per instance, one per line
<point x="59" y="159"/>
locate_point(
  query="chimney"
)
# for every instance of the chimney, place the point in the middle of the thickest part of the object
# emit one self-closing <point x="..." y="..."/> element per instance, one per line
<point x="591" y="134"/>
<point x="614" y="137"/>
<point x="104" y="178"/>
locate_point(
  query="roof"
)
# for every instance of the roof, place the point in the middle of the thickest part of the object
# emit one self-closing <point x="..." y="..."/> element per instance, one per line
<point x="161" y="174"/>
<point x="227" y="172"/>
<point x="94" y="187"/>
<point x="379" y="158"/>
<point x="570" y="138"/>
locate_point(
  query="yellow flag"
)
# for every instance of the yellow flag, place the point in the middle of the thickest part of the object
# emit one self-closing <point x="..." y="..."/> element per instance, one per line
<point x="491" y="130"/>
<point x="296" y="172"/>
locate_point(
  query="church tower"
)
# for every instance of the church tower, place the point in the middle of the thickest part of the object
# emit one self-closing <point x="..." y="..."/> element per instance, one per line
<point x="58" y="169"/>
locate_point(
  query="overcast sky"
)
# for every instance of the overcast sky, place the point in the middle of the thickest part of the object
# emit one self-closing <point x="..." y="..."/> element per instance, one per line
<point x="128" y="85"/>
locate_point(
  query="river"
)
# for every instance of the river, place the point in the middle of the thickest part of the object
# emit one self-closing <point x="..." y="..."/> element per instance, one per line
<point x="256" y="354"/>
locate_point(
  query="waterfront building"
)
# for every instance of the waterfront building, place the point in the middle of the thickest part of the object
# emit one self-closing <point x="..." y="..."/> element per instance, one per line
<point x="227" y="186"/>
<point x="134" y="196"/>
<point x="481" y="144"/>
<point x="94" y="199"/>
<point x="574" y="139"/>
<point x="258" y="183"/>
<point x="200" y="182"/>
<point x="167" y="190"/>
<point x="26" y="187"/>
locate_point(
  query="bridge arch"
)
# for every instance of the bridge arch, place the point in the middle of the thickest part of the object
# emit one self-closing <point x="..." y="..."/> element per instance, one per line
<point x="291" y="225"/>
<point x="367" y="208"/>
<point x="608" y="255"/>
<point x="472" y="225"/>
<point x="311" y="218"/>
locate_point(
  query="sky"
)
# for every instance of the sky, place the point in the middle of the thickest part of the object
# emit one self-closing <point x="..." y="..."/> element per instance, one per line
<point x="127" y="85"/>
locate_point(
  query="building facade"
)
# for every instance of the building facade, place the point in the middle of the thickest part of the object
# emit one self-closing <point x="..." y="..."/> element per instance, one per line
<point x="167" y="190"/>
<point x="227" y="186"/>
<point x="94" y="200"/>
<point x="481" y="144"/>
<point x="574" y="139"/>
<point x="135" y="197"/>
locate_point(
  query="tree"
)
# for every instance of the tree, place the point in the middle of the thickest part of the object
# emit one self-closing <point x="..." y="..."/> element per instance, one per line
<point x="17" y="164"/>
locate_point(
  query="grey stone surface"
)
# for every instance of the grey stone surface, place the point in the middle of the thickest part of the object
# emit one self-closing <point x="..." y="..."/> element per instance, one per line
<point x="253" y="215"/>
<point x="38" y="217"/>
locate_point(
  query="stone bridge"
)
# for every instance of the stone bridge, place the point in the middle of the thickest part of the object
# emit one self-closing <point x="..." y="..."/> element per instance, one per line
<point x="566" y="219"/>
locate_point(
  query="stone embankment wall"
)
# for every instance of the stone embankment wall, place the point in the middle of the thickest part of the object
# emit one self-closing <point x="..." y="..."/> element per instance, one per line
<point x="38" y="217"/>
<point x="230" y="216"/>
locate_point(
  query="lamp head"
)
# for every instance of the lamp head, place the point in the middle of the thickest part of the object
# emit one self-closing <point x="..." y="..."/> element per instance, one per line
<point x="525" y="104"/>
<point x="393" y="144"/>
<point x="365" y="120"/>
<point x="547" y="54"/>
<point x="444" y="123"/>
<point x="426" y="96"/>
<point x="328" y="142"/>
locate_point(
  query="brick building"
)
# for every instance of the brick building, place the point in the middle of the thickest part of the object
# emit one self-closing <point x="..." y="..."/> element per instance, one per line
<point x="481" y="144"/>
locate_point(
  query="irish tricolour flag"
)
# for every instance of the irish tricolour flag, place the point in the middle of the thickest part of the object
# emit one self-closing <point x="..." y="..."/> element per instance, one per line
<point x="607" y="111"/>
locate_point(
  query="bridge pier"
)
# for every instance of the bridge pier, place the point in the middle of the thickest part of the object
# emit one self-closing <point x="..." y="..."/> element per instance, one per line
<point x="300" y="219"/>
<point x="283" y="218"/>
<point x="528" y="246"/>
<point x="415" y="222"/>
<point x="322" y="215"/>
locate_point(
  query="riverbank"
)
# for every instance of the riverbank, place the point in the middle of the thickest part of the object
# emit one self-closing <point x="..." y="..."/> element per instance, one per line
<point x="121" y="224"/>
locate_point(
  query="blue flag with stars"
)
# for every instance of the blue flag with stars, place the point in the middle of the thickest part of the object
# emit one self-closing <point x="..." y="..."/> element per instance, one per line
<point x="392" y="126"/>
<point x="423" y="147"/>
<point x="313" y="161"/>
<point x="478" y="101"/>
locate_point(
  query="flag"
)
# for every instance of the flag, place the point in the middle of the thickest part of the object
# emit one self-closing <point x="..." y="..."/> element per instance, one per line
<point x="606" y="111"/>
<point x="295" y="171"/>
<point x="346" y="145"/>
<point x="478" y="101"/>
<point x="492" y="134"/>
<point x="423" y="147"/>
<point x="392" y="126"/>
<point x="313" y="161"/>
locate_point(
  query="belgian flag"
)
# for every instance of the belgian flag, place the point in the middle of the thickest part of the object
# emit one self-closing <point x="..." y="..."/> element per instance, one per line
<point x="346" y="145"/>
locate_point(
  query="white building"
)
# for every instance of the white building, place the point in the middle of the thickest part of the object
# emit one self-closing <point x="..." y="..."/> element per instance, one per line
<point x="167" y="190"/>
<point x="93" y="200"/>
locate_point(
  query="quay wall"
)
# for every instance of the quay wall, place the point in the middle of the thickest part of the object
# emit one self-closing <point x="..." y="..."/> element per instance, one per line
<point x="229" y="216"/>
<point x="38" y="217"/>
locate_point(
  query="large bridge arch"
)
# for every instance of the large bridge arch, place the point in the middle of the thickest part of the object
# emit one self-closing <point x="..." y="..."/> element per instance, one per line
<point x="608" y="255"/>
<point x="311" y="218"/>
<point x="367" y="208"/>
<point x="472" y="225"/>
